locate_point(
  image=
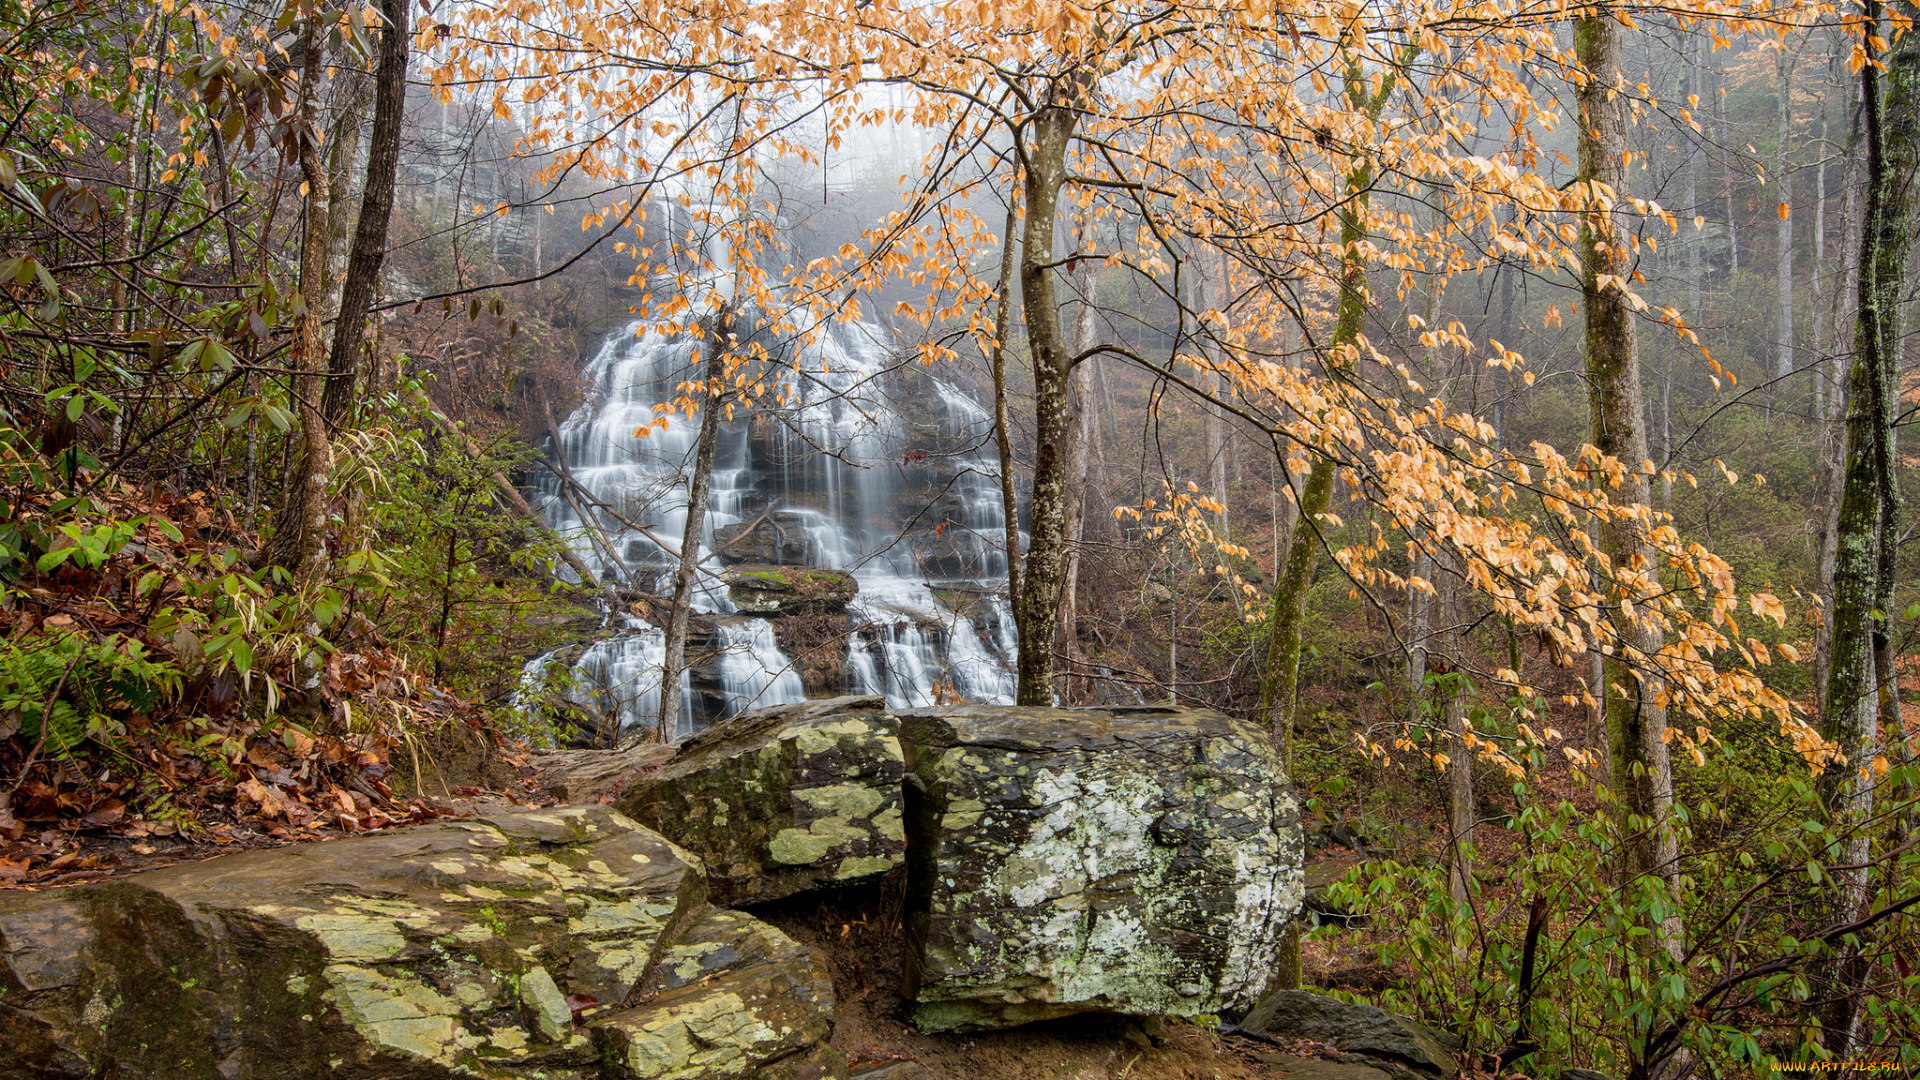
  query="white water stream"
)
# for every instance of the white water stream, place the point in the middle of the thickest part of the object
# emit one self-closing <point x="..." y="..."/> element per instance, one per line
<point x="897" y="493"/>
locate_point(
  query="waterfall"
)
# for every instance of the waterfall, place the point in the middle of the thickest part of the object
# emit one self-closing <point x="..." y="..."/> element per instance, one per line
<point x="853" y="465"/>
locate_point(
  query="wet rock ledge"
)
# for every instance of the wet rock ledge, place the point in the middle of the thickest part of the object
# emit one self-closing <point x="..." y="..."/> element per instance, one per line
<point x="1139" y="861"/>
<point x="565" y="943"/>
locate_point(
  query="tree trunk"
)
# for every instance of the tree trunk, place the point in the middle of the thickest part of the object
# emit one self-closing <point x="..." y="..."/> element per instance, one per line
<point x="1212" y="295"/>
<point x="1783" y="236"/>
<point x="1460" y="809"/>
<point x="721" y="340"/>
<point x="299" y="538"/>
<point x="1051" y="129"/>
<point x="1418" y="606"/>
<point x="1819" y="280"/>
<point x="376" y="208"/>
<point x="140" y="149"/>
<point x="1002" y="421"/>
<point x="1080" y="407"/>
<point x="1642" y="775"/>
<point x="1862" y="690"/>
<point x="353" y="89"/>
<point x="1727" y="191"/>
<point x="1281" y="682"/>
<point x="1835" y="443"/>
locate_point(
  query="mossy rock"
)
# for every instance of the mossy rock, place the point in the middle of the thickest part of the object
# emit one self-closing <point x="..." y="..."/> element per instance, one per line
<point x="496" y="947"/>
<point x="1130" y="860"/>
<point x="784" y="800"/>
<point x="1133" y="860"/>
<point x="787" y="590"/>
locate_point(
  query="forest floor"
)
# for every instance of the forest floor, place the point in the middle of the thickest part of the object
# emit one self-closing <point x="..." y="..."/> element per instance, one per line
<point x="452" y="771"/>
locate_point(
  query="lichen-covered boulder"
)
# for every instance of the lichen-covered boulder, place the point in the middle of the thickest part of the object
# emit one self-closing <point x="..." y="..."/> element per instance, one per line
<point x="784" y="800"/>
<point x="786" y="590"/>
<point x="563" y="944"/>
<point x="1140" y="860"/>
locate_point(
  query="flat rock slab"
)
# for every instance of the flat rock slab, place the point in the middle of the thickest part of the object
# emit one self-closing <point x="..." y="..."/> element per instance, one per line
<point x="567" y="944"/>
<point x="1354" y="1029"/>
<point x="784" y="800"/>
<point x="596" y="776"/>
<point x="1139" y="861"/>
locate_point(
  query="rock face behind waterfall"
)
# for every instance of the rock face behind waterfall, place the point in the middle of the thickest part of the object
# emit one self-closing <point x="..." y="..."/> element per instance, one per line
<point x="1057" y="861"/>
<point x="560" y="944"/>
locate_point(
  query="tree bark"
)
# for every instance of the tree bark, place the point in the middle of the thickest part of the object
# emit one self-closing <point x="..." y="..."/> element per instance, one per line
<point x="1080" y="409"/>
<point x="1834" y="446"/>
<point x="1783" y="364"/>
<point x="299" y="538"/>
<point x="1862" y="688"/>
<point x="1459" y="698"/>
<point x="1418" y="607"/>
<point x="1642" y="775"/>
<point x="1214" y="296"/>
<point x="376" y="208"/>
<point x="1002" y="421"/>
<point x="1050" y="130"/>
<point x="697" y="488"/>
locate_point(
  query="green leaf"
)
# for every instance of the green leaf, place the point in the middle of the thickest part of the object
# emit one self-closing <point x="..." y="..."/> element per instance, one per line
<point x="327" y="608"/>
<point x="54" y="558"/>
<point x="215" y="355"/>
<point x="75" y="406"/>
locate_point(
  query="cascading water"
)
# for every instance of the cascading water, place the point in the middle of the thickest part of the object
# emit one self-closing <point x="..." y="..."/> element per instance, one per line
<point x="858" y="469"/>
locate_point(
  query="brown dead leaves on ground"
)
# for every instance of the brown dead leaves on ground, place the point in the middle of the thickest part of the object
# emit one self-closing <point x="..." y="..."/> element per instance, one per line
<point x="195" y="759"/>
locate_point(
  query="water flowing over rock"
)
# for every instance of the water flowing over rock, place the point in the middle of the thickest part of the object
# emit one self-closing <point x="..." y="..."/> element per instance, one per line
<point x="1057" y="861"/>
<point x="866" y="470"/>
<point x="564" y="944"/>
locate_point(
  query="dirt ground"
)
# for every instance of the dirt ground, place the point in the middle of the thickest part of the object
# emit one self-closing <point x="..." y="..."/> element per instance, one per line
<point x="860" y="932"/>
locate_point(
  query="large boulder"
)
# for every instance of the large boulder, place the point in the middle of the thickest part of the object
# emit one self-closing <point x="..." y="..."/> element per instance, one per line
<point x="786" y="590"/>
<point x="779" y="537"/>
<point x="563" y="944"/>
<point x="784" y="800"/>
<point x="1138" y="860"/>
<point x="1355" y="1029"/>
<point x="1131" y="860"/>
